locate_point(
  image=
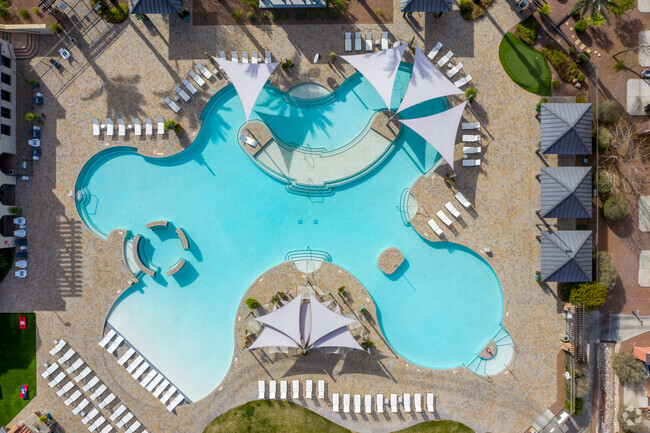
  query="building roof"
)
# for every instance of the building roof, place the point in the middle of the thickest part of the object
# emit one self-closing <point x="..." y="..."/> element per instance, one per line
<point x="566" y="256"/>
<point x="154" y="6"/>
<point x="566" y="129"/>
<point x="566" y="192"/>
<point x="426" y="5"/>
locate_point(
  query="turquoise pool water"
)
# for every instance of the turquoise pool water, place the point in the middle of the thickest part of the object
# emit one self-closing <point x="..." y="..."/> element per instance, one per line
<point x="439" y="312"/>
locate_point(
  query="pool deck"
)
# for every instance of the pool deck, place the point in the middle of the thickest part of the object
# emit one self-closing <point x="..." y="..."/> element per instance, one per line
<point x="75" y="277"/>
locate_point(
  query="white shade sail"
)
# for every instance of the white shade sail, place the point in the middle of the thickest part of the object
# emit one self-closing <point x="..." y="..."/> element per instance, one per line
<point x="380" y="69"/>
<point x="338" y="338"/>
<point x="439" y="130"/>
<point x="272" y="337"/>
<point x="248" y="79"/>
<point x="285" y="319"/>
<point x="324" y="320"/>
<point x="426" y="83"/>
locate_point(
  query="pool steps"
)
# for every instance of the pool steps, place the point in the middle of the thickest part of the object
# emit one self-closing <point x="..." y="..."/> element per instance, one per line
<point x="505" y="351"/>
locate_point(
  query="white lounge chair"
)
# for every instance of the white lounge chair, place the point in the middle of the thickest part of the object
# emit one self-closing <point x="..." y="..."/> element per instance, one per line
<point x="234" y="56"/>
<point x="119" y="411"/>
<point x="368" y="403"/>
<point x="20" y="221"/>
<point x="295" y="386"/>
<point x="148" y="126"/>
<point x="435" y="227"/>
<point x="148" y="378"/>
<point x="197" y="78"/>
<point x="173" y="105"/>
<point x="51" y="369"/>
<point x="80" y="406"/>
<point x="429" y="402"/>
<point x="202" y="69"/>
<point x="136" y="424"/>
<point x="369" y="41"/>
<point x="393" y="403"/>
<point x="397" y="43"/>
<point x="251" y="142"/>
<point x="384" y="41"/>
<point x="96" y="129"/>
<point x="357" y="41"/>
<point x="308" y="388"/>
<point x="98" y="392"/>
<point x="115" y="344"/>
<point x="357" y="403"/>
<point x="160" y="388"/>
<point x="321" y="389"/>
<point x="471" y="162"/>
<point x="161" y="125"/>
<point x="98" y="423"/>
<point x="75" y="365"/>
<point x="261" y="385"/>
<point x="182" y="93"/>
<point x="168" y="394"/>
<point x="407" y="402"/>
<point x="468" y="150"/>
<point x="346" y="403"/>
<point x="463" y="81"/>
<point x="461" y="198"/>
<point x="136" y="362"/>
<point x="154" y="383"/>
<point x="443" y="61"/>
<point x="85" y="372"/>
<point x="175" y="402"/>
<point x="335" y="402"/>
<point x="254" y="58"/>
<point x="283" y="389"/>
<point x="107" y="401"/>
<point x="126" y="356"/>
<point x="189" y="86"/>
<point x="57" y="348"/>
<point x="452" y="210"/>
<point x="380" y="403"/>
<point x="471" y="138"/>
<point x="91" y="383"/>
<point x="417" y="402"/>
<point x="453" y="71"/>
<point x="244" y="56"/>
<point x="107" y="428"/>
<point x="67" y="387"/>
<point x="93" y="413"/>
<point x="444" y="218"/>
<point x="136" y="375"/>
<point x="471" y="125"/>
<point x="434" y="51"/>
<point x="222" y="55"/>
<point x="66" y="356"/>
<point x="109" y="126"/>
<point x="272" y="388"/>
<point x="75" y="395"/>
<point x="267" y="57"/>
<point x="137" y="126"/>
<point x="20" y="233"/>
<point x="121" y="128"/>
<point x="21" y="264"/>
<point x="126" y="418"/>
<point x="348" y="41"/>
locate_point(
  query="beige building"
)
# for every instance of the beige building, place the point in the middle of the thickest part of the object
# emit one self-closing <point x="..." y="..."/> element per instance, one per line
<point x="8" y="129"/>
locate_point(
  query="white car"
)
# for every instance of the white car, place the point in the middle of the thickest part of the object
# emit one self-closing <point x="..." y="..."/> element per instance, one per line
<point x="35" y="142"/>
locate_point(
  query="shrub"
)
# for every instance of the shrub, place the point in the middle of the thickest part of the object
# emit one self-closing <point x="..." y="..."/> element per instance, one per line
<point x="609" y="111"/>
<point x="32" y="82"/>
<point x="286" y="65"/>
<point x="471" y="10"/>
<point x="539" y="104"/>
<point x="629" y="369"/>
<point x="603" y="182"/>
<point x="117" y="14"/>
<point x="284" y="15"/>
<point x="252" y="303"/>
<point x="596" y="19"/>
<point x="55" y="27"/>
<point x="310" y="15"/>
<point x="334" y="14"/>
<point x="615" y="207"/>
<point x="605" y="137"/>
<point x="322" y="14"/>
<point x="591" y="295"/>
<point x="237" y="15"/>
<point x="24" y="14"/>
<point x="545" y="9"/>
<point x="4" y="9"/>
<point x="555" y="84"/>
<point x="341" y="5"/>
<point x="527" y="31"/>
<point x="581" y="26"/>
<point x="581" y="78"/>
<point x="332" y="57"/>
<point x="578" y="409"/>
<point x="620" y="64"/>
<point x="31" y="117"/>
<point x="580" y="100"/>
<point x="36" y="11"/>
<point x="582" y="58"/>
<point x="172" y="125"/>
<point x="572" y="50"/>
<point x="203" y="14"/>
<point x="299" y="15"/>
<point x="264" y="15"/>
<point x="607" y="273"/>
<point x="273" y="15"/>
<point x="471" y="93"/>
<point x="380" y="12"/>
<point x="562" y="62"/>
<point x="15" y="210"/>
<point x="342" y="290"/>
<point x="622" y="6"/>
<point x="250" y="16"/>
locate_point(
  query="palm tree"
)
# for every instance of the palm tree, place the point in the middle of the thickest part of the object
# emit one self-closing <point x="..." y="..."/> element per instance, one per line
<point x="590" y="8"/>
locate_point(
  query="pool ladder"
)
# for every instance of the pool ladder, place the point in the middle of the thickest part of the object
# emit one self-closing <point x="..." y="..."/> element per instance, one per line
<point x="308" y="254"/>
<point x="83" y="196"/>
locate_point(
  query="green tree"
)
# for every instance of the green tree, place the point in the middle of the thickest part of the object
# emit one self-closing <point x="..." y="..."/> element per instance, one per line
<point x="252" y="303"/>
<point x="605" y="137"/>
<point x="593" y="9"/>
<point x="628" y="368"/>
<point x="615" y="207"/>
<point x="591" y="295"/>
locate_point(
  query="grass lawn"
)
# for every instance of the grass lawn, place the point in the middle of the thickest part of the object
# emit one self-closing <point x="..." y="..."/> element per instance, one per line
<point x="17" y="364"/>
<point x="270" y="416"/>
<point x="526" y="66"/>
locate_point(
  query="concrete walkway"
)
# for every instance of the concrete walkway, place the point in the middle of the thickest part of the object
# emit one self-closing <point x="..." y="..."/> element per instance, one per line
<point x="623" y="327"/>
<point x="638" y="95"/>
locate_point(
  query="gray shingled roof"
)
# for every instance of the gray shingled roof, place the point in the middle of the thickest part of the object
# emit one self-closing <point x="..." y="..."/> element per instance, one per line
<point x="426" y="5"/>
<point x="567" y="256"/>
<point x="154" y="6"/>
<point x="566" y="192"/>
<point x="566" y="129"/>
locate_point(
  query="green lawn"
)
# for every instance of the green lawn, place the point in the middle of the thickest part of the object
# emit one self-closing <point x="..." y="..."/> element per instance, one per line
<point x="17" y="364"/>
<point x="271" y="416"/>
<point x="526" y="66"/>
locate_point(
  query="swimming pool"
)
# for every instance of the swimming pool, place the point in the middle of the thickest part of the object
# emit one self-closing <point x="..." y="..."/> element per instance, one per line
<point x="241" y="223"/>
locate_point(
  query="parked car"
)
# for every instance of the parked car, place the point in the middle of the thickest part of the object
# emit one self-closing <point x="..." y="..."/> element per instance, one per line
<point x="55" y="63"/>
<point x="645" y="73"/>
<point x="21" y="254"/>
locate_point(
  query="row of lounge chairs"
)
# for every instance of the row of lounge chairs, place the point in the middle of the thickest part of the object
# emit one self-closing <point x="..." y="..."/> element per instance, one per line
<point x="295" y="388"/>
<point x="444" y="60"/>
<point x="189" y="86"/>
<point x="153" y="381"/>
<point x="452" y="210"/>
<point x="370" y="43"/>
<point x="234" y="56"/>
<point x="471" y="150"/>
<point x="109" y="127"/>
<point x="380" y="401"/>
<point x="91" y="415"/>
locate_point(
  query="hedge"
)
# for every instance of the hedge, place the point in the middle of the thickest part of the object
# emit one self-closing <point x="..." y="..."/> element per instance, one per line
<point x="527" y="31"/>
<point x="615" y="208"/>
<point x="609" y="111"/>
<point x="603" y="182"/>
<point x="605" y="137"/>
<point x="607" y="273"/>
<point x="563" y="63"/>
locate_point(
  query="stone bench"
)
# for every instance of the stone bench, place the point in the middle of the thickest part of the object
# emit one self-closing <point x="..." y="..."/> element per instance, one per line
<point x="138" y="260"/>
<point x="390" y="260"/>
<point x="177" y="267"/>
<point x="158" y="224"/>
<point x="183" y="237"/>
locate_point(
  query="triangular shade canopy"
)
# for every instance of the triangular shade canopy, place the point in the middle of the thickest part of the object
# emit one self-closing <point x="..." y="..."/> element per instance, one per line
<point x="426" y="83"/>
<point x="248" y="79"/>
<point x="566" y="256"/>
<point x="338" y="338"/>
<point x="380" y="69"/>
<point x="565" y="128"/>
<point x="439" y="130"/>
<point x="272" y="337"/>
<point x="566" y="192"/>
<point x="285" y="319"/>
<point x="324" y="320"/>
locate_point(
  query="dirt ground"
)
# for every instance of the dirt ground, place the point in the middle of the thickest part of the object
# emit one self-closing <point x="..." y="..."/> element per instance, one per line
<point x="218" y="12"/>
